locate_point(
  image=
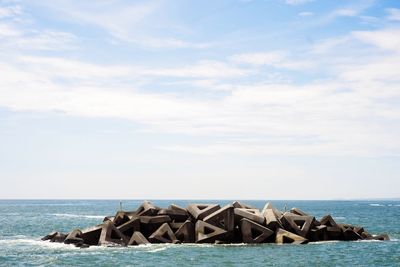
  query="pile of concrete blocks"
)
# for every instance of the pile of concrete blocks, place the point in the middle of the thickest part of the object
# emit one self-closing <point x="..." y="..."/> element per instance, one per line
<point x="211" y="223"/>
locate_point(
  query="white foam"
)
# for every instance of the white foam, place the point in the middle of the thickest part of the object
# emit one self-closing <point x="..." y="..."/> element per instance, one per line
<point x="36" y="242"/>
<point x="376" y="205"/>
<point x="78" y="216"/>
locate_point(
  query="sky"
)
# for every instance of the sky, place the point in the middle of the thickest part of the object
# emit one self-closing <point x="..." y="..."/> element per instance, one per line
<point x="229" y="99"/>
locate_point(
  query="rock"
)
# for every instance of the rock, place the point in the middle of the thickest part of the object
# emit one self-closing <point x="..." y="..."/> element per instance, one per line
<point x="253" y="232"/>
<point x="164" y="234"/>
<point x="251" y="214"/>
<point x="223" y="218"/>
<point x="185" y="232"/>
<point x="208" y="233"/>
<point x="286" y="237"/>
<point x="138" y="239"/>
<point x="200" y="211"/>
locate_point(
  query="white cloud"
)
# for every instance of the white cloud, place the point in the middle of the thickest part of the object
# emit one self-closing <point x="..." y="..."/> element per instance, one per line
<point x="127" y="22"/>
<point x="297" y="2"/>
<point x="394" y="14"/>
<point x="276" y="59"/>
<point x="385" y="39"/>
<point x="305" y="14"/>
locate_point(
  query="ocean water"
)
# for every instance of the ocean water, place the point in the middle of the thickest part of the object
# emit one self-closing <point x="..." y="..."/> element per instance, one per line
<point x="24" y="222"/>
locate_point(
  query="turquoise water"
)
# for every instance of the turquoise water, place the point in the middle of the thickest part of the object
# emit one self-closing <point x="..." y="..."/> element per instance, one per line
<point x="24" y="222"/>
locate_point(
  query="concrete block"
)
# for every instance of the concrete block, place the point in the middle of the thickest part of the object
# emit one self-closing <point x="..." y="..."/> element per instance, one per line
<point x="334" y="232"/>
<point x="138" y="239"/>
<point x="74" y="237"/>
<point x="49" y="236"/>
<point x="130" y="227"/>
<point x="208" y="233"/>
<point x="163" y="234"/>
<point x="350" y="235"/>
<point x="297" y="211"/>
<point x="253" y="232"/>
<point x="200" y="211"/>
<point x="149" y="224"/>
<point x="318" y="233"/>
<point x="239" y="205"/>
<point x="176" y="207"/>
<point x="91" y="235"/>
<point x="223" y="218"/>
<point x="382" y="237"/>
<point x="120" y="218"/>
<point x="176" y="215"/>
<point x="185" y="232"/>
<point x="251" y="214"/>
<point x="271" y="220"/>
<point x="286" y="237"/>
<point x="55" y="237"/>
<point x="110" y="235"/>
<point x="147" y="209"/>
<point x="297" y="224"/>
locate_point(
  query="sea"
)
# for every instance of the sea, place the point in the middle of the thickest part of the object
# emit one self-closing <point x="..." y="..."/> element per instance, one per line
<point x="24" y="222"/>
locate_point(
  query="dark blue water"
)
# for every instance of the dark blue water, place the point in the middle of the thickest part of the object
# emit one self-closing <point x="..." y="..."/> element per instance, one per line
<point x="24" y="222"/>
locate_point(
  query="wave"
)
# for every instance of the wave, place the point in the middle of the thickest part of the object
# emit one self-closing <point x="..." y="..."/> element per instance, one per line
<point x="376" y="205"/>
<point x="78" y="216"/>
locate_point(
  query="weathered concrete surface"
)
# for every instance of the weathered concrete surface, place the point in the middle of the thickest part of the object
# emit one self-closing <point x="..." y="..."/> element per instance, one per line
<point x="297" y="224"/>
<point x="176" y="215"/>
<point x="223" y="218"/>
<point x="133" y="225"/>
<point x="284" y="237"/>
<point x="208" y="233"/>
<point x="200" y="211"/>
<point x="147" y="209"/>
<point x="74" y="237"/>
<point x="185" y="232"/>
<point x="110" y="235"/>
<point x="251" y="214"/>
<point x="164" y="234"/>
<point x="253" y="232"/>
<point x="138" y="238"/>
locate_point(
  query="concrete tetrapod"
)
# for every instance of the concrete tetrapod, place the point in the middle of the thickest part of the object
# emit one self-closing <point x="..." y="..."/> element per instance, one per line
<point x="138" y="238"/>
<point x="253" y="232"/>
<point x="284" y="237"/>
<point x="251" y="214"/>
<point x="185" y="232"/>
<point x="208" y="233"/>
<point x="164" y="234"/>
<point x="200" y="211"/>
<point x="110" y="235"/>
<point x="223" y="218"/>
<point x="298" y="224"/>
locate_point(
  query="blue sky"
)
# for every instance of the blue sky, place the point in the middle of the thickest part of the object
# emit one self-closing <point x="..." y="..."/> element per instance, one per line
<point x="239" y="99"/>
